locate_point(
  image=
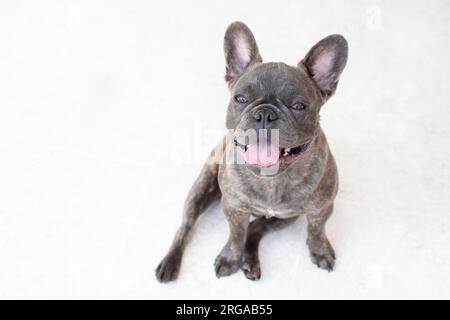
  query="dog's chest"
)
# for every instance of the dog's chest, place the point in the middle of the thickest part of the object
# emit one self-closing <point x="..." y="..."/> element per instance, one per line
<point x="280" y="200"/>
<point x="275" y="209"/>
<point x="274" y="212"/>
<point x="281" y="196"/>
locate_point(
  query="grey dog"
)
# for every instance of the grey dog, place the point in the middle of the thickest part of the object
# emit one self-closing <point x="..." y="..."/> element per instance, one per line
<point x="269" y="96"/>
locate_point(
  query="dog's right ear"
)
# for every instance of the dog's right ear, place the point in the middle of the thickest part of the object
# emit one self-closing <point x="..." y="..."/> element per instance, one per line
<point x="240" y="50"/>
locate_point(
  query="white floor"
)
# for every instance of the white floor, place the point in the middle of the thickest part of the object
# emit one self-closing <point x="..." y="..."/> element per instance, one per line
<point x="107" y="111"/>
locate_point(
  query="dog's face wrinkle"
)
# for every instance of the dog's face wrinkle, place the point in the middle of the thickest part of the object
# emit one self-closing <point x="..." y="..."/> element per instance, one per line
<point x="279" y="86"/>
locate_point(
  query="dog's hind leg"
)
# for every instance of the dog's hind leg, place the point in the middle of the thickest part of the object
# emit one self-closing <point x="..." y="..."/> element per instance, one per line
<point x="256" y="230"/>
<point x="204" y="191"/>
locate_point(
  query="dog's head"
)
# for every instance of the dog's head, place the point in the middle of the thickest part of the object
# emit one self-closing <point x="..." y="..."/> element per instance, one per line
<point x="267" y="96"/>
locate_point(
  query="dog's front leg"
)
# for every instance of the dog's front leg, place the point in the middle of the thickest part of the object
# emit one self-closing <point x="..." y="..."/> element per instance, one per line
<point x="204" y="191"/>
<point x="320" y="249"/>
<point x="229" y="259"/>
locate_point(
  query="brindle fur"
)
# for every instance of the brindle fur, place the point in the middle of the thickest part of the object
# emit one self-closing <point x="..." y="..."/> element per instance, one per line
<point x="306" y="186"/>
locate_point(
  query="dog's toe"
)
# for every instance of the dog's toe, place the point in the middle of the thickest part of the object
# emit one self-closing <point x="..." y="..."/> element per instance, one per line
<point x="322" y="254"/>
<point x="323" y="261"/>
<point x="252" y="272"/>
<point x="225" y="266"/>
<point x="251" y="268"/>
<point x="168" y="269"/>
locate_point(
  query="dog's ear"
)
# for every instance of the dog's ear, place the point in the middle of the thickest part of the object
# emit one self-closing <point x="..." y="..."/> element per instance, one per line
<point x="240" y="50"/>
<point x="325" y="62"/>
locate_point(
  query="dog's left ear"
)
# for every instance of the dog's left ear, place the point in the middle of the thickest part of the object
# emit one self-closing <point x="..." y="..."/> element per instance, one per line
<point x="325" y="63"/>
<point x="240" y="50"/>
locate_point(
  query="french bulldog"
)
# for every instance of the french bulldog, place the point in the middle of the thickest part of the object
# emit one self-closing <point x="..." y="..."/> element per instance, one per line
<point x="255" y="199"/>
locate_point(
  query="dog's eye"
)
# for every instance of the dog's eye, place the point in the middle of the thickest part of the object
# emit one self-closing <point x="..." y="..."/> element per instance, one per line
<point x="240" y="98"/>
<point x="298" y="106"/>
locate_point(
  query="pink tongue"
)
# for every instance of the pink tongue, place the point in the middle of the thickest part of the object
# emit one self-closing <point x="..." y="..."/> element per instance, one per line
<point x="263" y="154"/>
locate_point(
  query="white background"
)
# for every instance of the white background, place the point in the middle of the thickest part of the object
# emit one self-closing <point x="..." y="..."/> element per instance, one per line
<point x="108" y="108"/>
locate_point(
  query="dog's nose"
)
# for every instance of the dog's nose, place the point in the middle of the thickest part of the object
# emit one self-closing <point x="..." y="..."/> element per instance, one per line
<point x="265" y="115"/>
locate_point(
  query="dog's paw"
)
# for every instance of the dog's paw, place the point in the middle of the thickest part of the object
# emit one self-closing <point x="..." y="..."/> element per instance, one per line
<point x="168" y="269"/>
<point x="323" y="261"/>
<point x="226" y="264"/>
<point x="250" y="266"/>
<point x="322" y="254"/>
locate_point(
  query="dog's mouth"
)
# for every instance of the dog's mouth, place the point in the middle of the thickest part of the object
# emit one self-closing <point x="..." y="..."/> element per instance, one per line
<point x="265" y="154"/>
